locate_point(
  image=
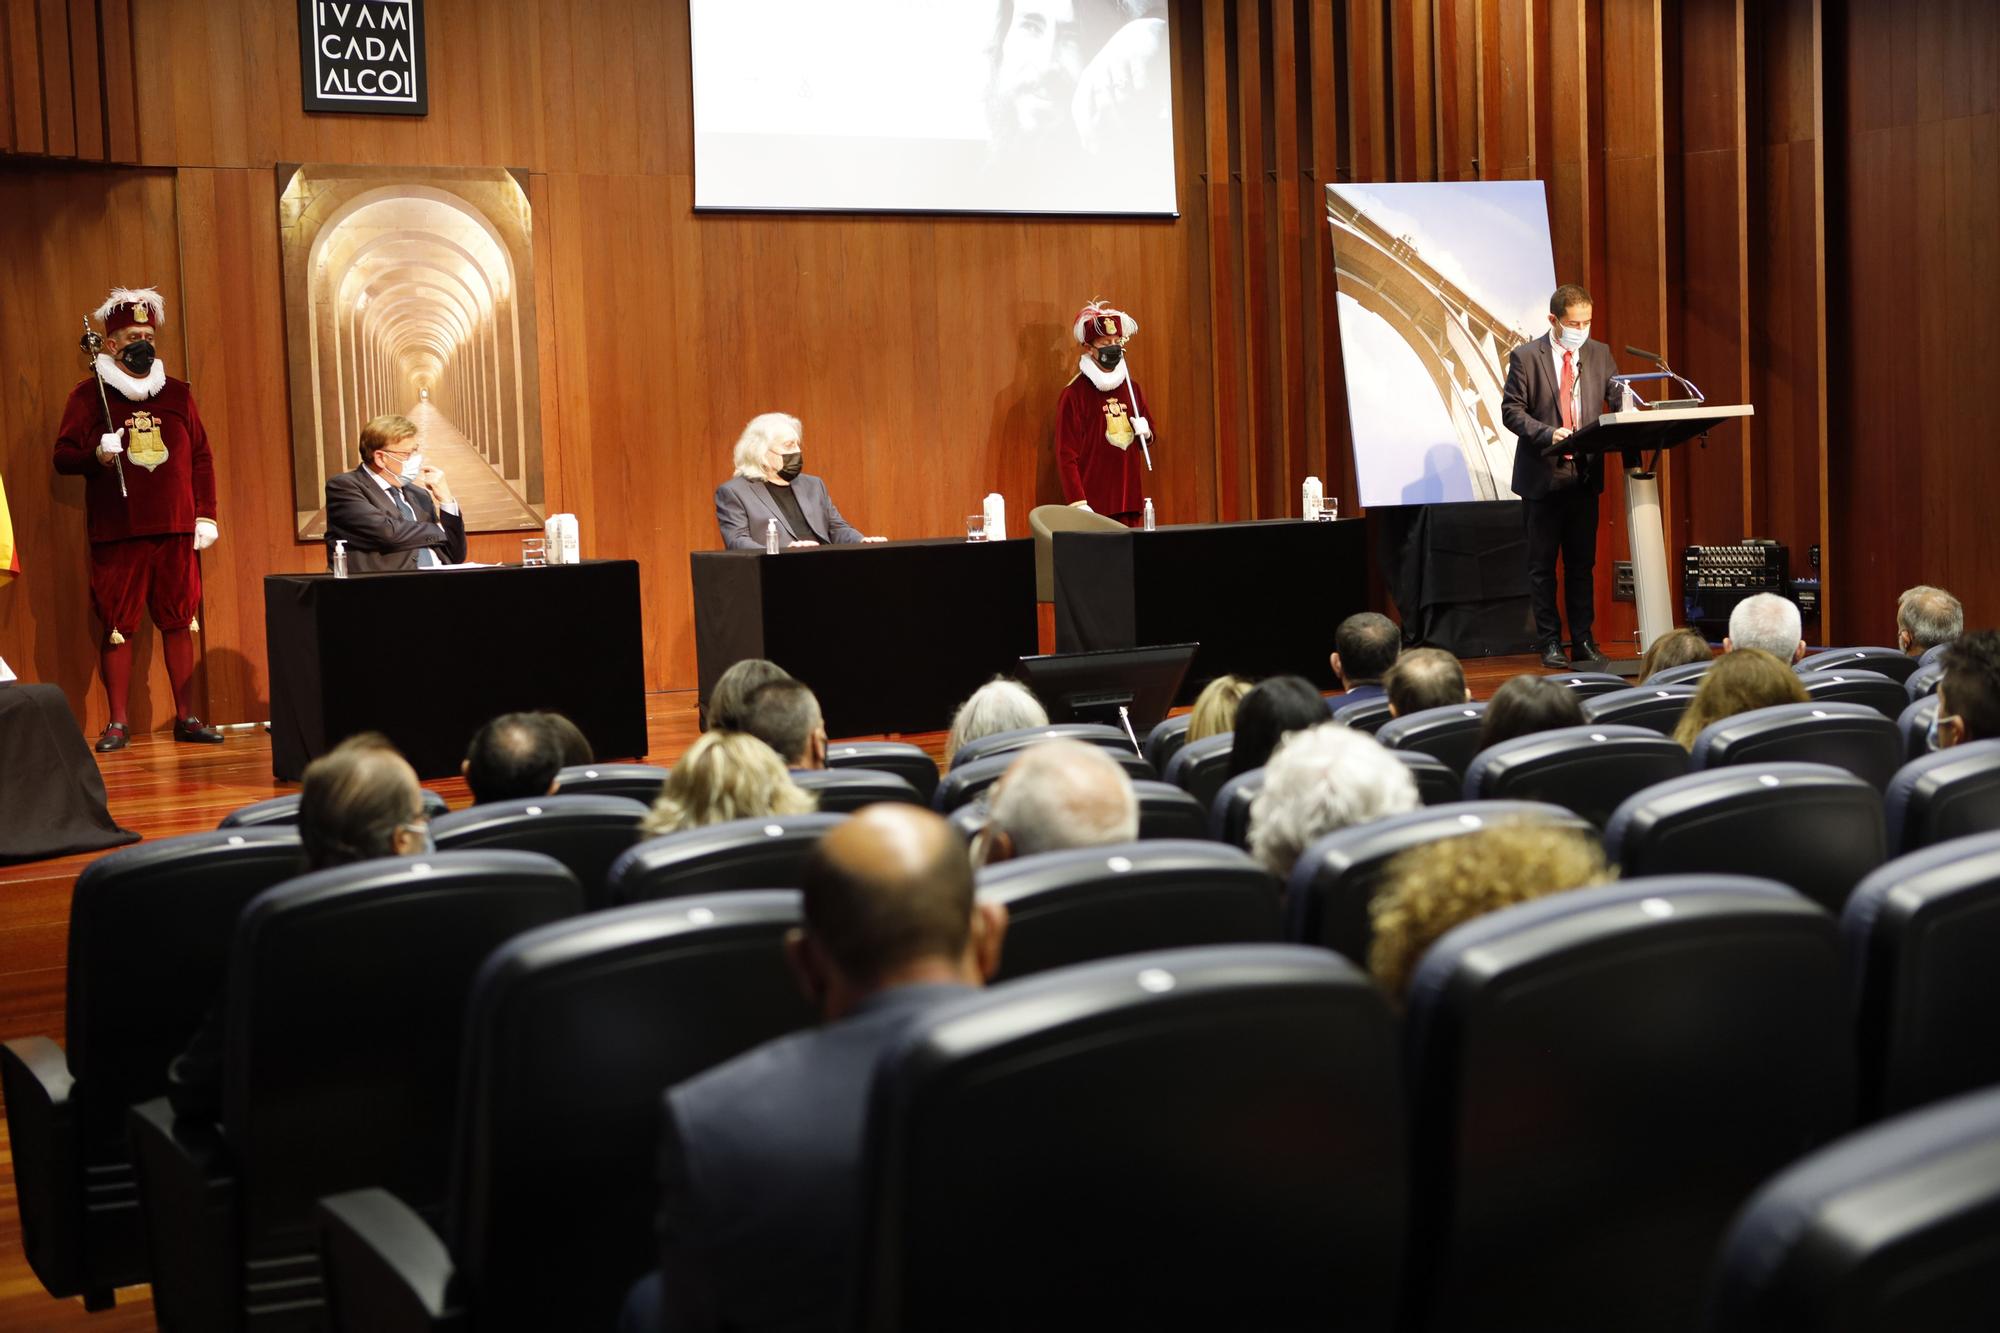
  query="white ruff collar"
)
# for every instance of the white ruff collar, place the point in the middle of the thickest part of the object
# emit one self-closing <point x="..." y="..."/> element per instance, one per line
<point x="121" y="379"/>
<point x="1105" y="380"/>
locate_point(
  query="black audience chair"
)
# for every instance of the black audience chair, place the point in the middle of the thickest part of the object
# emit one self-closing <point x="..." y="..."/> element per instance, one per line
<point x="1229" y="813"/>
<point x="1007" y="742"/>
<point x="1165" y="811"/>
<point x="1654" y="707"/>
<point x="1436" y="783"/>
<point x="1688" y="673"/>
<point x="1201" y="768"/>
<point x="1598" y="1080"/>
<point x="1810" y="826"/>
<point x="1879" y="692"/>
<point x="1850" y="736"/>
<point x="1890" y="662"/>
<point x="1891" y="1230"/>
<point x="1923" y="682"/>
<point x="1197" y="1139"/>
<point x="149" y="932"/>
<point x="1950" y="794"/>
<point x="906" y="761"/>
<point x="1914" y="726"/>
<point x="1588" y="769"/>
<point x="640" y="782"/>
<point x="343" y="1012"/>
<point x="1168" y="735"/>
<point x="573" y="1032"/>
<point x="966" y="782"/>
<point x="764" y="853"/>
<point x="841" y="791"/>
<point x="1451" y="733"/>
<point x="1933" y="653"/>
<point x="586" y="833"/>
<point x="285" y="810"/>
<point x="1923" y="937"/>
<point x="1328" y="895"/>
<point x="1367" y="715"/>
<point x="1590" y="684"/>
<point x="1103" y="902"/>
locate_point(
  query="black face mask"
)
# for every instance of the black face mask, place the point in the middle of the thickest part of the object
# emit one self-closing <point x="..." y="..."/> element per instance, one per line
<point x="1109" y="357"/>
<point x="792" y="465"/>
<point x="137" y="357"/>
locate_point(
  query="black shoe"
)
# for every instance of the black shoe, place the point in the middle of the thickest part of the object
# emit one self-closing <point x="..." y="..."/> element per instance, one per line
<point x="1552" y="657"/>
<point x="113" y="737"/>
<point x="1588" y="654"/>
<point x="191" y="730"/>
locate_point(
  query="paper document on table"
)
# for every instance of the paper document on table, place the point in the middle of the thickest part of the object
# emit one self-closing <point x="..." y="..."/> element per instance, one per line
<point x="6" y="672"/>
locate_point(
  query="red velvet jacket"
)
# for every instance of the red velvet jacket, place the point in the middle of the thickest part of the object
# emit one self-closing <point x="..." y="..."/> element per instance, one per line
<point x="170" y="497"/>
<point x="1092" y="468"/>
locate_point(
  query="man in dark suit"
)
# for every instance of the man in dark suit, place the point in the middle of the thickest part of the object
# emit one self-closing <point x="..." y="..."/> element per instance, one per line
<point x="769" y="486"/>
<point x="1364" y="648"/>
<point x="1556" y="387"/>
<point x="394" y="512"/>
<point x="761" y="1162"/>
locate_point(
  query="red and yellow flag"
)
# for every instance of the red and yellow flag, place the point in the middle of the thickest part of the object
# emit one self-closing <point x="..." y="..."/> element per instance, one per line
<point x="10" y="560"/>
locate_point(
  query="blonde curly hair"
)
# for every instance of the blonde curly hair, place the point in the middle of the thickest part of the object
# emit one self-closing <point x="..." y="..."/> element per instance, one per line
<point x="725" y="775"/>
<point x="1429" y="889"/>
<point x="1215" y="707"/>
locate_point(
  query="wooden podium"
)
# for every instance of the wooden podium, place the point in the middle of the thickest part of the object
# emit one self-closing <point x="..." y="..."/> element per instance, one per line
<point x="1640" y="436"/>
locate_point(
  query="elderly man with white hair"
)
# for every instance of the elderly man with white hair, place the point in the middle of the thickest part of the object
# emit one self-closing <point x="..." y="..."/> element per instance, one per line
<point x="1058" y="795"/>
<point x="1766" y="621"/>
<point x="998" y="705"/>
<point x="770" y="488"/>
<point x="1319" y="781"/>
<point x="1927" y="617"/>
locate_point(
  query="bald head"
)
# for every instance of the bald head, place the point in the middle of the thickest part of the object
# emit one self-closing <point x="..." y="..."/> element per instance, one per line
<point x="1061" y="794"/>
<point x="888" y="891"/>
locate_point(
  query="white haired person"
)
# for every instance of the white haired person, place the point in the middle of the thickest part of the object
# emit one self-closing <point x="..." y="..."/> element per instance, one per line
<point x="132" y="433"/>
<point x="1319" y="781"/>
<point x="1766" y="621"/>
<point x="1103" y="434"/>
<point x="1056" y="796"/>
<point x="771" y="487"/>
<point x="998" y="705"/>
<point x="1927" y="617"/>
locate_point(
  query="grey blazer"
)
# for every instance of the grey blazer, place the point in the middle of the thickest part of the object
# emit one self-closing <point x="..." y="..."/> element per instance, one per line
<point x="743" y="507"/>
<point x="1529" y="409"/>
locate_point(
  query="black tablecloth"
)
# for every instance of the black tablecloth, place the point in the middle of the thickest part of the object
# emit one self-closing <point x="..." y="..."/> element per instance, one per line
<point x="429" y="657"/>
<point x="1261" y="599"/>
<point x="51" y="794"/>
<point x="1459" y="575"/>
<point x="890" y="636"/>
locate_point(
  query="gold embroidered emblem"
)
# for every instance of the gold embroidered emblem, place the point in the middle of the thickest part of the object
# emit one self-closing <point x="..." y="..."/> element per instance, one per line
<point x="144" y="444"/>
<point x="1117" y="426"/>
<point x="141" y="315"/>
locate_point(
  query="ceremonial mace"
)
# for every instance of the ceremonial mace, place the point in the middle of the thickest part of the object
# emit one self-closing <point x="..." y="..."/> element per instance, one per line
<point x="93" y="344"/>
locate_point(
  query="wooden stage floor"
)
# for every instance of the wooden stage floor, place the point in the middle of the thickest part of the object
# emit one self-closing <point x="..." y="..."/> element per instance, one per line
<point x="161" y="789"/>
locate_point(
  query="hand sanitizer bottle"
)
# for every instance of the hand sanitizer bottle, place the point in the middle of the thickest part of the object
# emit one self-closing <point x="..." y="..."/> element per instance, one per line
<point x="340" y="560"/>
<point x="1146" y="519"/>
<point x="771" y="537"/>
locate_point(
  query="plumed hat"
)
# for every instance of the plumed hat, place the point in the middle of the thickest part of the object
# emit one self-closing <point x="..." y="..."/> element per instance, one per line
<point x="127" y="306"/>
<point x="1098" y="320"/>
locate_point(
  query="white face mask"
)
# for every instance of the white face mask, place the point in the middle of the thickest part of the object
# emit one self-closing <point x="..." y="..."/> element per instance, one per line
<point x="1574" y="339"/>
<point x="413" y="466"/>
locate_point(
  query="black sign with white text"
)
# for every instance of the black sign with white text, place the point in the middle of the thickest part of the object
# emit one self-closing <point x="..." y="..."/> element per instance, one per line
<point x="363" y="56"/>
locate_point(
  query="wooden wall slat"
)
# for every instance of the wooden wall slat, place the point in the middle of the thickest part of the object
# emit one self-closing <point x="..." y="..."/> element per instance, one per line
<point x="1368" y="101"/>
<point x="86" y="78"/>
<point x="1456" y="52"/>
<point x="1261" y="420"/>
<point x="1226" y="360"/>
<point x="1413" y="48"/>
<point x="58" y="104"/>
<point x="1292" y="231"/>
<point x="24" y="65"/>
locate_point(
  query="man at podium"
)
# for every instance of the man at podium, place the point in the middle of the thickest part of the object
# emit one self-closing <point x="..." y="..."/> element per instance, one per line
<point x="1555" y="387"/>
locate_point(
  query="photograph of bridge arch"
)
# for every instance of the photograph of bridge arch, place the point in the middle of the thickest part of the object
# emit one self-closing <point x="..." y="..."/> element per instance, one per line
<point x="1438" y="282"/>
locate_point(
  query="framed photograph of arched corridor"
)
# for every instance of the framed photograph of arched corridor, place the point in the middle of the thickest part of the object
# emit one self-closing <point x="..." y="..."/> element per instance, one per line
<point x="411" y="291"/>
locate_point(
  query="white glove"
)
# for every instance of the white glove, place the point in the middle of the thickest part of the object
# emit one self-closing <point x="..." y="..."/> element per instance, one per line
<point x="1142" y="428"/>
<point x="205" y="533"/>
<point x="108" y="446"/>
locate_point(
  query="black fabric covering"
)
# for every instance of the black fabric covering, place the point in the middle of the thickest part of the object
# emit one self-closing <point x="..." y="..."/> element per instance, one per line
<point x="51" y="794"/>
<point x="1459" y="575"/>
<point x="1262" y="599"/>
<point x="891" y="637"/>
<point x="429" y="658"/>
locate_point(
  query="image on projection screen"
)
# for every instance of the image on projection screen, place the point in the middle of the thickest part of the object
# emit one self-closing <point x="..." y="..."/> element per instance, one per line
<point x="975" y="106"/>
<point x="1438" y="282"/>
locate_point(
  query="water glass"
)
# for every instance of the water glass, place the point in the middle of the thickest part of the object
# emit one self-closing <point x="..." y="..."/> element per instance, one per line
<point x="534" y="551"/>
<point x="975" y="527"/>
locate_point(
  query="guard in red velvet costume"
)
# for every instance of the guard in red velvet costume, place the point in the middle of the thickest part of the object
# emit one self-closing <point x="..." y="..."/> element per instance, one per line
<point x="1102" y="432"/>
<point x="149" y="497"/>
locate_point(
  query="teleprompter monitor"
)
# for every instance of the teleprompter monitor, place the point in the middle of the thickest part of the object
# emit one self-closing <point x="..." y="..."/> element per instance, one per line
<point x="1093" y="686"/>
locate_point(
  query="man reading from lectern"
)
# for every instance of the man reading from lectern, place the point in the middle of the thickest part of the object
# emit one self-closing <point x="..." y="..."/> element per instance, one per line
<point x="393" y="511"/>
<point x="1555" y="387"/>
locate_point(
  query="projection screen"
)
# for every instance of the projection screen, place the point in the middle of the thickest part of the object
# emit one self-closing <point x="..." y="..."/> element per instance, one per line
<point x="974" y="106"/>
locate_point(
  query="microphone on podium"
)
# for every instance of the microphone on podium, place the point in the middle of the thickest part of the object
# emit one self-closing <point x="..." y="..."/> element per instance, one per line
<point x="1643" y="354"/>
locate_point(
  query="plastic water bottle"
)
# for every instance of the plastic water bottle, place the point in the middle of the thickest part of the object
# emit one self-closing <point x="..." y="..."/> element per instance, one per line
<point x="340" y="560"/>
<point x="771" y="536"/>
<point x="1146" y="520"/>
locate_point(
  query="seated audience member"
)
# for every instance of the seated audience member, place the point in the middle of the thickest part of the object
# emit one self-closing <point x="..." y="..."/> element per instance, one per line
<point x="733" y="690"/>
<point x="1319" y="781"/>
<point x="358" y="801"/>
<point x="1766" y="621"/>
<point x="998" y="705"/>
<point x="392" y="511"/>
<point x="1270" y="712"/>
<point x="1429" y="889"/>
<point x="1528" y="704"/>
<point x="1740" y="681"/>
<point x="1927" y="617"/>
<point x="516" y="754"/>
<point x="724" y="775"/>
<point x="1215" y="707"/>
<point x="1424" y="678"/>
<point x="1676" y="647"/>
<point x="770" y="488"/>
<point x="785" y="716"/>
<point x="762" y="1158"/>
<point x="1365" y="646"/>
<point x="1057" y="795"/>
<point x="575" y="746"/>
<point x="1968" y="695"/>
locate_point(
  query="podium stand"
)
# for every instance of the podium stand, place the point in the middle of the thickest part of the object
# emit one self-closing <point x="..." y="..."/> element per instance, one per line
<point x="1635" y="434"/>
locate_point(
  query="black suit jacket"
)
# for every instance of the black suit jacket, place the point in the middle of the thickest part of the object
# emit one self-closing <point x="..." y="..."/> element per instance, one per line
<point x="379" y="539"/>
<point x="1529" y="408"/>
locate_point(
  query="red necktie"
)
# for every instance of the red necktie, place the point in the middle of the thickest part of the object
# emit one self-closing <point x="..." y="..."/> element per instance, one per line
<point x="1569" y="389"/>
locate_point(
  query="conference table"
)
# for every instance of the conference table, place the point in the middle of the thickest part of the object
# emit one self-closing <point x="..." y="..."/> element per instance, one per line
<point x="429" y="657"/>
<point x="1262" y="598"/>
<point x="890" y="636"/>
